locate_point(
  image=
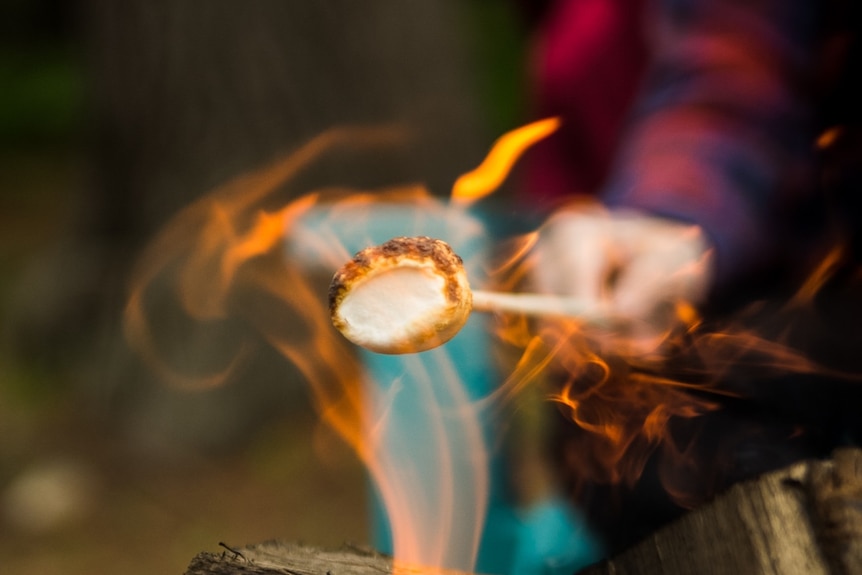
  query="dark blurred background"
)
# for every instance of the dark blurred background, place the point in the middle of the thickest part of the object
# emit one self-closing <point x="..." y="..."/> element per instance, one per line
<point x="113" y="116"/>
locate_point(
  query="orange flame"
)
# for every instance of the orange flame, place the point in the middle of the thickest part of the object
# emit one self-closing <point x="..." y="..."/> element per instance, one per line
<point x="818" y="278"/>
<point x="505" y="152"/>
<point x="201" y="250"/>
<point x="236" y="259"/>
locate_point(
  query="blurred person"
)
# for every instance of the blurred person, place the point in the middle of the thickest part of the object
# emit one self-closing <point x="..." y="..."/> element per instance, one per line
<point x="713" y="160"/>
<point x="691" y="126"/>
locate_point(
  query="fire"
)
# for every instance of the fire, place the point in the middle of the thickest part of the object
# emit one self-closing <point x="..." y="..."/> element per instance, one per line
<point x="821" y="274"/>
<point x="241" y="258"/>
<point x="499" y="161"/>
<point x="622" y="404"/>
<point x="626" y="399"/>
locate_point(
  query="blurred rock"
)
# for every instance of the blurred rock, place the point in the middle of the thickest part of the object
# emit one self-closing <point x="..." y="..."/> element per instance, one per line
<point x="49" y="495"/>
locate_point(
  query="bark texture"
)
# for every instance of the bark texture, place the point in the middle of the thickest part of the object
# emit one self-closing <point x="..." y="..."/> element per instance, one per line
<point x="805" y="519"/>
<point x="294" y="559"/>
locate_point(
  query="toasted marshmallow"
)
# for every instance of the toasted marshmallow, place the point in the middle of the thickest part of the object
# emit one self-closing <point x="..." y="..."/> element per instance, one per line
<point x="407" y="295"/>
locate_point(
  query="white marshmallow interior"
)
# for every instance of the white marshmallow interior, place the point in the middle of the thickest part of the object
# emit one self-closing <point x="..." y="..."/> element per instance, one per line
<point x="395" y="306"/>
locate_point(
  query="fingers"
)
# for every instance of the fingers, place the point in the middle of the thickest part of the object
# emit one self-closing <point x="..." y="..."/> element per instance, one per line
<point x="667" y="262"/>
<point x="572" y="255"/>
<point x="633" y="264"/>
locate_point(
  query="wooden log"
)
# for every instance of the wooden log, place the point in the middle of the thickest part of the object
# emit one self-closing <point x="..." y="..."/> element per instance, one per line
<point x="281" y="558"/>
<point x="805" y="519"/>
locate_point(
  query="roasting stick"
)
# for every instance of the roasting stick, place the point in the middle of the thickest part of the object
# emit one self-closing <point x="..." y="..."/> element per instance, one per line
<point x="411" y="294"/>
<point x="534" y="304"/>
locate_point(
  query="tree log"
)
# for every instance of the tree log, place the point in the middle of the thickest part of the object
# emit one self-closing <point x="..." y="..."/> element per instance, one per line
<point x="805" y="519"/>
<point x="290" y="558"/>
<point x="276" y="557"/>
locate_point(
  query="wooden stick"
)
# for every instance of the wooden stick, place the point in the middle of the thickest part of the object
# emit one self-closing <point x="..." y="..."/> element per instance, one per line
<point x="537" y="305"/>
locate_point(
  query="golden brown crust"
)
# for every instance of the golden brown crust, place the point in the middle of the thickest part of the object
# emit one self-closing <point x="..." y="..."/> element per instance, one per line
<point x="372" y="258"/>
